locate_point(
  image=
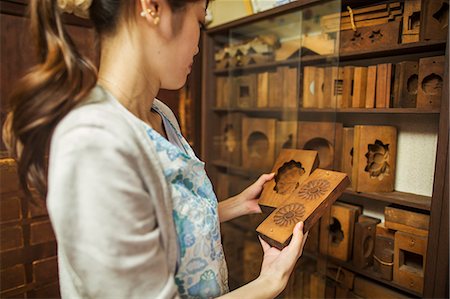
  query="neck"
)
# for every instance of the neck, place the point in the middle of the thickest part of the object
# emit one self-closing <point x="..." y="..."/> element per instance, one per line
<point x="126" y="79"/>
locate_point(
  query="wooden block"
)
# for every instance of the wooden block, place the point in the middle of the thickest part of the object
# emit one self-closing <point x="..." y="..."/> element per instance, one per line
<point x="341" y="275"/>
<point x="309" y="100"/>
<point x="323" y="137"/>
<point x="275" y="89"/>
<point x="371" y="86"/>
<point x="359" y="87"/>
<point x="374" y="157"/>
<point x="410" y="260"/>
<point x="292" y="168"/>
<point x="406" y="220"/>
<point x="317" y="286"/>
<point x="372" y="290"/>
<point x="340" y="230"/>
<point x="347" y="152"/>
<point x="246" y="87"/>
<point x="434" y="20"/>
<point x="411" y="21"/>
<point x="375" y="37"/>
<point x="383" y="257"/>
<point x="307" y="203"/>
<point x="8" y="176"/>
<point x="45" y="270"/>
<point x="406" y="84"/>
<point x="12" y="278"/>
<point x="319" y="77"/>
<point x="263" y="90"/>
<point x="227" y="95"/>
<point x="231" y="138"/>
<point x="253" y="256"/>
<point x="220" y="84"/>
<point x="384" y="80"/>
<point x="332" y="88"/>
<point x="325" y="222"/>
<point x="347" y="87"/>
<point x="12" y="238"/>
<point x="286" y="136"/>
<point x="290" y="88"/>
<point x="10" y="209"/>
<point x="431" y="74"/>
<point x="364" y="242"/>
<point x="41" y="232"/>
<point x="312" y="243"/>
<point x="258" y="143"/>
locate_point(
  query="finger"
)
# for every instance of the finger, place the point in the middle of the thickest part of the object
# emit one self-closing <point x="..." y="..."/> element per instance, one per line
<point x="265" y="177"/>
<point x="264" y="244"/>
<point x="297" y="237"/>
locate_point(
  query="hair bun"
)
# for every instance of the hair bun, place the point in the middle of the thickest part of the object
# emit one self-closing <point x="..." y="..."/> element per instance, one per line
<point x="80" y="8"/>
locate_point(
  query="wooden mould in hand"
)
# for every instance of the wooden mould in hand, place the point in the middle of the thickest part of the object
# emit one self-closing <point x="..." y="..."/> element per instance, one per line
<point x="306" y="203"/>
<point x="291" y="169"/>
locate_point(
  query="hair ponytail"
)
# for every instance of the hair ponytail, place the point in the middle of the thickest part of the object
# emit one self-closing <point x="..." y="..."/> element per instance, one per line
<point x="51" y="89"/>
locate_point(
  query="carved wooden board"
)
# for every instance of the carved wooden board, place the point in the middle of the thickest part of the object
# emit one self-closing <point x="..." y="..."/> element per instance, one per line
<point x="364" y="241"/>
<point x="434" y="20"/>
<point x="246" y="90"/>
<point x="291" y="169"/>
<point x="258" y="143"/>
<point x="411" y="21"/>
<point x="323" y="137"/>
<point x="410" y="260"/>
<point x="230" y="138"/>
<point x="307" y="203"/>
<point x="406" y="84"/>
<point x="332" y="88"/>
<point x="431" y="80"/>
<point x="374" y="158"/>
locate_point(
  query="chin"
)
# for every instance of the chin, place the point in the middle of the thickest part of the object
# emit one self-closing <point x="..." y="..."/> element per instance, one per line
<point x="175" y="85"/>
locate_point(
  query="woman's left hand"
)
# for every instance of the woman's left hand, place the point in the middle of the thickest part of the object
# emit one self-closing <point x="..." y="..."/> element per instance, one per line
<point x="245" y="202"/>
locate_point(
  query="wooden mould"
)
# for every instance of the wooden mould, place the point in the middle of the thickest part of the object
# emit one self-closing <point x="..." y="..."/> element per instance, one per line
<point x="359" y="87"/>
<point x="263" y="90"/>
<point x="225" y="92"/>
<point x="406" y="84"/>
<point x="246" y="90"/>
<point x="347" y="87"/>
<point x="431" y="79"/>
<point x="258" y="143"/>
<point x="371" y="86"/>
<point x="290" y="88"/>
<point x="364" y="241"/>
<point x="340" y="230"/>
<point x="374" y="37"/>
<point x="384" y="82"/>
<point x="410" y="260"/>
<point x="434" y="20"/>
<point x="231" y="137"/>
<point x="347" y="152"/>
<point x="308" y="99"/>
<point x="323" y="137"/>
<point x="291" y="168"/>
<point x="286" y="136"/>
<point x="406" y="220"/>
<point x="411" y="21"/>
<point x="333" y="86"/>
<point x="374" y="157"/>
<point x="383" y="256"/>
<point x="275" y="88"/>
<point x="307" y="203"/>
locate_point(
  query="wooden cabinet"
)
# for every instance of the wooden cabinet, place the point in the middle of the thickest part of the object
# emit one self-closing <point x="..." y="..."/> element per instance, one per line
<point x="330" y="76"/>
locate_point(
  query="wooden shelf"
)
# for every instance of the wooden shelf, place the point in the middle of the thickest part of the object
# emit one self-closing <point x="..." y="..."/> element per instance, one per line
<point x="330" y="110"/>
<point x="335" y="59"/>
<point x="396" y="197"/>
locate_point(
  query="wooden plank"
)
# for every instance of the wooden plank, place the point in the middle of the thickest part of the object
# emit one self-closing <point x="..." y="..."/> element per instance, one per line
<point x="291" y="169"/>
<point x="371" y="86"/>
<point x="406" y="84"/>
<point x="290" y="87"/>
<point x="431" y="74"/>
<point x="275" y="88"/>
<point x="263" y="90"/>
<point x="383" y="90"/>
<point x="408" y="217"/>
<point x="409" y="260"/>
<point x="306" y="204"/>
<point x="347" y="87"/>
<point x="374" y="158"/>
<point x="347" y="152"/>
<point x="359" y="87"/>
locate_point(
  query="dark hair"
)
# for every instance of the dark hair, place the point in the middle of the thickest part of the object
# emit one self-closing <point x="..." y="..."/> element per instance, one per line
<point x="58" y="83"/>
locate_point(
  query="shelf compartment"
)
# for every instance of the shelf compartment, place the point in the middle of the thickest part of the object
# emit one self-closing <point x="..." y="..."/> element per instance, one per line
<point x="400" y="49"/>
<point x="330" y="110"/>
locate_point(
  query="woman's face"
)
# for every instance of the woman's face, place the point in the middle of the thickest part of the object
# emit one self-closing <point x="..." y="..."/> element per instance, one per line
<point x="181" y="45"/>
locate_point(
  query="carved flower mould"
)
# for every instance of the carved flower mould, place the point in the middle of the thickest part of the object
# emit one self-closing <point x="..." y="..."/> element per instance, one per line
<point x="377" y="160"/>
<point x="314" y="189"/>
<point x="289" y="215"/>
<point x="286" y="179"/>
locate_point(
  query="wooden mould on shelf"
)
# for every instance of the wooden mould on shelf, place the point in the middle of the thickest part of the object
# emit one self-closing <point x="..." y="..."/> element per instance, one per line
<point x="431" y="80"/>
<point x="410" y="260"/>
<point x="291" y="169"/>
<point x="411" y="21"/>
<point x="333" y="86"/>
<point x="374" y="157"/>
<point x="306" y="203"/>
<point x="246" y="90"/>
<point x="364" y="241"/>
<point x="258" y="143"/>
<point x="286" y="136"/>
<point x="406" y="84"/>
<point x="383" y="256"/>
<point x="406" y="220"/>
<point x="347" y="152"/>
<point x="383" y="89"/>
<point x="434" y="20"/>
<point x="230" y="138"/>
<point x="323" y="137"/>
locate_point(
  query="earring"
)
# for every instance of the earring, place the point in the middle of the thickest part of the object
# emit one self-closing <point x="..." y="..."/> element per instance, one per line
<point x="153" y="14"/>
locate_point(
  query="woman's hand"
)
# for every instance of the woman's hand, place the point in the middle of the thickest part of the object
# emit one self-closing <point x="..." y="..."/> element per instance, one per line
<point x="245" y="202"/>
<point x="278" y="264"/>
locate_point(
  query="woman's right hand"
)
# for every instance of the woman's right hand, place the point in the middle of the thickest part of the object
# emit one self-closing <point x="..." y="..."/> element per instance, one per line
<point x="278" y="264"/>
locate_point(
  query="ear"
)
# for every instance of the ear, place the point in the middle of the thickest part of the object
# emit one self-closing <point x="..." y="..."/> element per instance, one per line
<point x="151" y="10"/>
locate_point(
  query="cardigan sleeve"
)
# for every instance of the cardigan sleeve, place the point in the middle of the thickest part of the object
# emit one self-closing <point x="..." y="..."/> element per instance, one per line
<point x="109" y="241"/>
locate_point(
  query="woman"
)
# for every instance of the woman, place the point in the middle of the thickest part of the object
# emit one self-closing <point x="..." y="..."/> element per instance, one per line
<point x="132" y="208"/>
